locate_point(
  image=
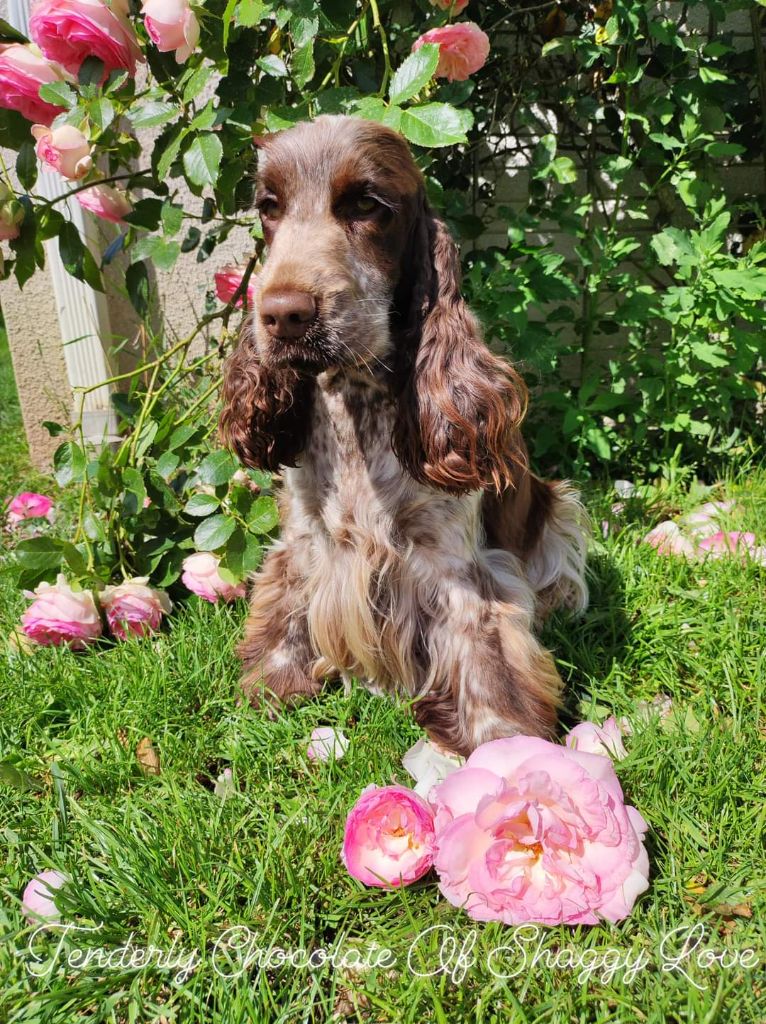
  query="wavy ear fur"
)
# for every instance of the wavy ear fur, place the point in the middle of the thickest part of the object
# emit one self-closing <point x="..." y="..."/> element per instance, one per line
<point x="460" y="406"/>
<point x="266" y="410"/>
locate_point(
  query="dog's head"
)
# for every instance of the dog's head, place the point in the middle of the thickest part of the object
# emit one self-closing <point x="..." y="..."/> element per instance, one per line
<point x="361" y="273"/>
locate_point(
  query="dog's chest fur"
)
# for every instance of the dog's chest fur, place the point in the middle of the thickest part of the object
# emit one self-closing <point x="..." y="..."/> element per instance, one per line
<point x="378" y="548"/>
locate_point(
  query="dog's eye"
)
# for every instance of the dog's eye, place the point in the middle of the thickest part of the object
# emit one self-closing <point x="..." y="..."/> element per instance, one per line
<point x="365" y="205"/>
<point x="270" y="209"/>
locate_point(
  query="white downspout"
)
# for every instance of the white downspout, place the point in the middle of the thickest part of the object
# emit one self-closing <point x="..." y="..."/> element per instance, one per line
<point x="83" y="313"/>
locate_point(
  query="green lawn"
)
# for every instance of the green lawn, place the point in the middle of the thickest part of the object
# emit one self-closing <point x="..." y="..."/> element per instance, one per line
<point x="158" y="858"/>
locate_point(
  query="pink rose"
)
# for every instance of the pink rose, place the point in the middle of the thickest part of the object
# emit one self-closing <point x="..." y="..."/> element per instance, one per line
<point x="705" y="517"/>
<point x="22" y="71"/>
<point x="453" y="8"/>
<point x="29" y="505"/>
<point x="201" y="576"/>
<point x="38" y="900"/>
<point x="226" y="283"/>
<point x="60" y="615"/>
<point x="68" y="31"/>
<point x="530" y="831"/>
<point x="65" y="149"/>
<point x="389" y="837"/>
<point x="133" y="607"/>
<point x="723" y="543"/>
<point x="606" y="739"/>
<point x="106" y="202"/>
<point x="326" y="744"/>
<point x="463" y="49"/>
<point x="172" y="25"/>
<point x="668" y="540"/>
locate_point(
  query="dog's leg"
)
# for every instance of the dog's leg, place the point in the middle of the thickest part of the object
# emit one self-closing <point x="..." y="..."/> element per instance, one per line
<point x="488" y="676"/>
<point x="276" y="651"/>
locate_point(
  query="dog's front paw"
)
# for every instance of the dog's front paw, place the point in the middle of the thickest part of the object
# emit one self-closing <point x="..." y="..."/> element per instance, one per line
<point x="279" y="687"/>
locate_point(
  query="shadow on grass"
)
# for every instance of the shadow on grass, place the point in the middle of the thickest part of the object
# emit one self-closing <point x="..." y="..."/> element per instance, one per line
<point x="586" y="648"/>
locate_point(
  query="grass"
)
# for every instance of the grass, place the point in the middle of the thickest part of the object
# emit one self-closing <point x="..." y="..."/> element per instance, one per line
<point x="160" y="858"/>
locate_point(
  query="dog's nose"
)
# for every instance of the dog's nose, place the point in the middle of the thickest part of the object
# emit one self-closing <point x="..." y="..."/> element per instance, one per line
<point x="287" y="314"/>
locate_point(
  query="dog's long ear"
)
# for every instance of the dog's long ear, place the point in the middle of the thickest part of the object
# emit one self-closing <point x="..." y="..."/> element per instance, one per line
<point x="460" y="406"/>
<point x="265" y="411"/>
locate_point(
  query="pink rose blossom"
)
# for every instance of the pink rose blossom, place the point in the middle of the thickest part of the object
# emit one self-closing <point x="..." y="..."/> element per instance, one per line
<point x="228" y="280"/>
<point x="530" y="831"/>
<point x="389" y="837"/>
<point x="106" y="202"/>
<point x="705" y="518"/>
<point x="606" y="739"/>
<point x="447" y="5"/>
<point x="65" y="149"/>
<point x="38" y="899"/>
<point x="172" y="25"/>
<point x="68" y="31"/>
<point x="668" y="540"/>
<point x="29" y="505"/>
<point x="326" y="744"/>
<point x="429" y="764"/>
<point x="59" y="615"/>
<point x="722" y="544"/>
<point x="22" y="71"/>
<point x="201" y="576"/>
<point x="134" y="608"/>
<point x="463" y="49"/>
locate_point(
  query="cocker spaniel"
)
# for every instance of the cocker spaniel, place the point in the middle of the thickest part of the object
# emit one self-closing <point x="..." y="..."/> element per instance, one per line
<point x="417" y="551"/>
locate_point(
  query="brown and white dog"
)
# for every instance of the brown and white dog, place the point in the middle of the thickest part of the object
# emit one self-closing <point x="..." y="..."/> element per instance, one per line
<point x="417" y="550"/>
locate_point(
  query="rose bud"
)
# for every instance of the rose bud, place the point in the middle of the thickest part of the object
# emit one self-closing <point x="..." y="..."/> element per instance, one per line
<point x="65" y="149"/>
<point x="172" y="25"/>
<point x="201" y="576"/>
<point x="106" y="202"/>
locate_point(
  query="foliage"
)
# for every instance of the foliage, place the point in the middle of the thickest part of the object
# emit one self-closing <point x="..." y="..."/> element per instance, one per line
<point x="619" y="287"/>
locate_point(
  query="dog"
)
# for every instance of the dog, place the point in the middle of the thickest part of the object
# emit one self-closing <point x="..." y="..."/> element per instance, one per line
<point x="418" y="552"/>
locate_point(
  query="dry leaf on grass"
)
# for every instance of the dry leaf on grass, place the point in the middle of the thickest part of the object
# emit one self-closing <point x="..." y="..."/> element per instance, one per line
<point x="148" y="758"/>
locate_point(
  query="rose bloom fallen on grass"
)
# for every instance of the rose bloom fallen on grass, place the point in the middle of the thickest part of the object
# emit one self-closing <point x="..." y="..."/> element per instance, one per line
<point x="38" y="899"/>
<point x="527" y="831"/>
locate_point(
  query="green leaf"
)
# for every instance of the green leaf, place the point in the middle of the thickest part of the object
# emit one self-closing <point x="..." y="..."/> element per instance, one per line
<point x="302" y="64"/>
<point x="218" y="468"/>
<point x="137" y="286"/>
<point x="167" y="464"/>
<point x="59" y="94"/>
<point x="202" y="160"/>
<point x="251" y="12"/>
<point x="146" y="213"/>
<point x="135" y="491"/>
<point x="303" y="29"/>
<point x="416" y="71"/>
<point x="264" y="515"/>
<point x="91" y="71"/>
<point x="26" y="165"/>
<point x="597" y="440"/>
<point x="252" y="555"/>
<point x="202" y="505"/>
<point x="77" y="257"/>
<point x="74" y="558"/>
<point x="170" y="153"/>
<point x="162" y="252"/>
<point x="101" y="112"/>
<point x="9" y="34"/>
<point x="153" y="114"/>
<point x="213" y="533"/>
<point x="39" y="554"/>
<point x="10" y="775"/>
<point x="197" y="82"/>
<point x="436" y="124"/>
<point x="69" y="463"/>
<point x="272" y="65"/>
<point x="172" y="218"/>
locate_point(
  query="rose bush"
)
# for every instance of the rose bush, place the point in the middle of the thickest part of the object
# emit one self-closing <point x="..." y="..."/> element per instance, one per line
<point x="475" y="89"/>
